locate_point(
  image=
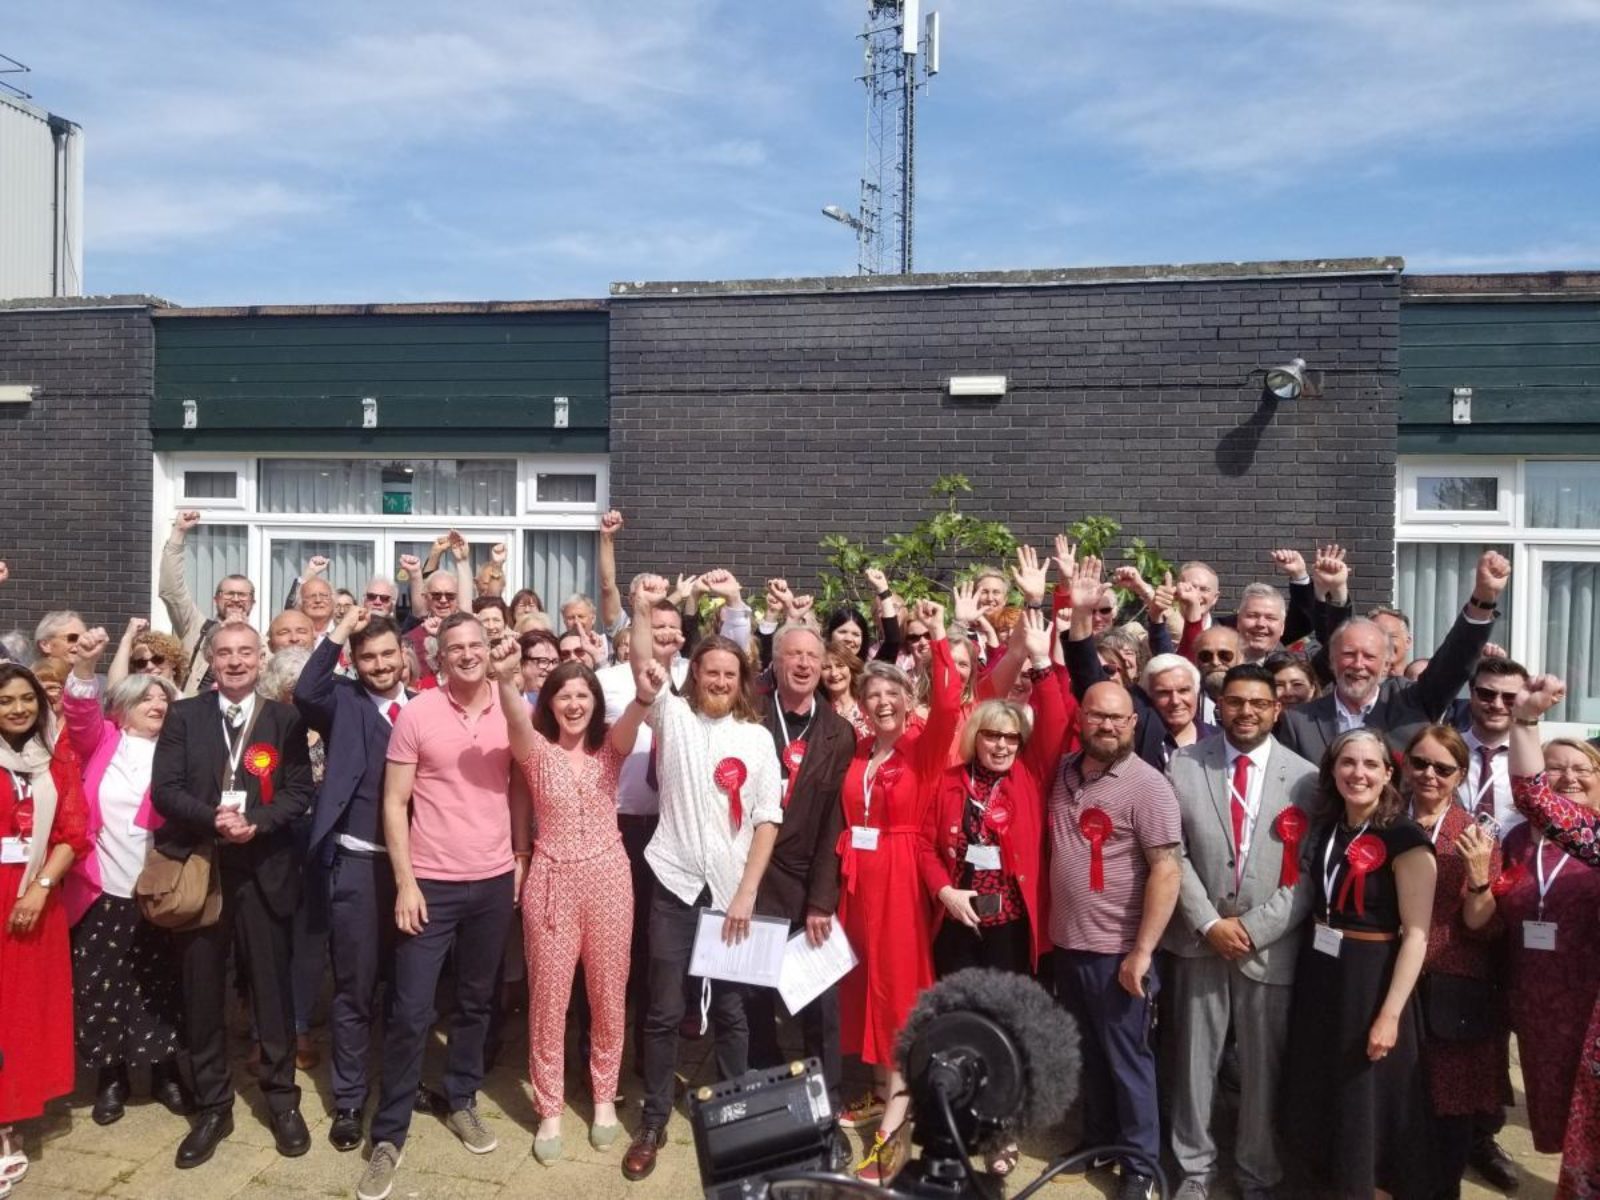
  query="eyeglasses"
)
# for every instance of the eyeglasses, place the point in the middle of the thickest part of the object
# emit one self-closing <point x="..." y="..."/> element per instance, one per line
<point x="1240" y="703"/>
<point x="1487" y="695"/>
<point x="435" y="597"/>
<point x="997" y="735"/>
<point x="71" y="639"/>
<point x="383" y="598"/>
<point x="541" y="660"/>
<point x="569" y="655"/>
<point x="1217" y="656"/>
<point x="1577" y="772"/>
<point x="154" y="660"/>
<point x="912" y="638"/>
<point x="1106" y="611"/>
<point x="234" y="595"/>
<point x="1421" y="765"/>
<point x="1094" y="718"/>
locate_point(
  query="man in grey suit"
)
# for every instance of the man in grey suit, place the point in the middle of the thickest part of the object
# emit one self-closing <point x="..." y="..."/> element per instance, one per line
<point x="1364" y="694"/>
<point x="1231" y="944"/>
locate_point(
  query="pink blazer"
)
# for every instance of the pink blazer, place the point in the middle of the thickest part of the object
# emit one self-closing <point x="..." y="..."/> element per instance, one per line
<point x="95" y="739"/>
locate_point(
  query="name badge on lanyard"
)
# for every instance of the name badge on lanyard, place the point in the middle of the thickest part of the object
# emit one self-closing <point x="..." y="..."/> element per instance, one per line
<point x="14" y="850"/>
<point x="1541" y="934"/>
<point x="1327" y="940"/>
<point x="983" y="858"/>
<point x="863" y="837"/>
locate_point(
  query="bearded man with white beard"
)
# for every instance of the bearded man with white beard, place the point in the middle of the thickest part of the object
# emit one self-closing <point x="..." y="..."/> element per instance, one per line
<point x="721" y="805"/>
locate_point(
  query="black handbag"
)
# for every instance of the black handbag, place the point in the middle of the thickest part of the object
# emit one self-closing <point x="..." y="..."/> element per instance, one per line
<point x="1458" y="1009"/>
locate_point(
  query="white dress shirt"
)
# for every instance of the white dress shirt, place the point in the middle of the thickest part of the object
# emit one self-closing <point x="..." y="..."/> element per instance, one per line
<point x="1252" y="797"/>
<point x="635" y="796"/>
<point x="1499" y="783"/>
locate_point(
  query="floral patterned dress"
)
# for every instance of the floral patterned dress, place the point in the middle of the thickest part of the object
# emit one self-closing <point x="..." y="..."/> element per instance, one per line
<point x="1577" y="831"/>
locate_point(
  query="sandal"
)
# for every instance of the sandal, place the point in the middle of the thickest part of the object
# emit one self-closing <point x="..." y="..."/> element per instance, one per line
<point x="863" y="1111"/>
<point x="13" y="1162"/>
<point x="886" y="1157"/>
<point x="1003" y="1161"/>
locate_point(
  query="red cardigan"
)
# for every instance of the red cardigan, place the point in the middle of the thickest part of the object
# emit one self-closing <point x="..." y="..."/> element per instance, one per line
<point x="1023" y="793"/>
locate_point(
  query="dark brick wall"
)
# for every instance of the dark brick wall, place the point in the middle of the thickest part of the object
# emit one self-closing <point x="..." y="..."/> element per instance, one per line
<point x="744" y="428"/>
<point x="75" y="464"/>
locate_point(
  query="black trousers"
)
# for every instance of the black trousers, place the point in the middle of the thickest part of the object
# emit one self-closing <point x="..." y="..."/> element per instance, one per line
<point x="819" y="1034"/>
<point x="263" y="942"/>
<point x="469" y="917"/>
<point x="1006" y="947"/>
<point x="361" y="935"/>
<point x="672" y="929"/>
<point x="636" y="835"/>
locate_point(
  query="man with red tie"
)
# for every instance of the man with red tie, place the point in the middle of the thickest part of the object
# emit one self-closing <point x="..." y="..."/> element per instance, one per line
<point x="1245" y="802"/>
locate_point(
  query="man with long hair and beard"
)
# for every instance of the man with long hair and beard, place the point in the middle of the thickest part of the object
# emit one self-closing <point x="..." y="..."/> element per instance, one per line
<point x="721" y="792"/>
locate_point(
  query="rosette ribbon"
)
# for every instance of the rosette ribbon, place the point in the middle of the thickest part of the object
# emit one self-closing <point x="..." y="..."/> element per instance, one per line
<point x="1365" y="855"/>
<point x="793" y="755"/>
<point x="1095" y="825"/>
<point x="730" y="776"/>
<point x="1291" y="827"/>
<point x="261" y="760"/>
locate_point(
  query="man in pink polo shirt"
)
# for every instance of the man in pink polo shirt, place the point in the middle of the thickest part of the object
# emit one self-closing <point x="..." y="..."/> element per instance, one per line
<point x="449" y="814"/>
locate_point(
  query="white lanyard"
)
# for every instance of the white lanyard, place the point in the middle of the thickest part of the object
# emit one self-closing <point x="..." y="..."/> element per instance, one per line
<point x="868" y="778"/>
<point x="783" y="722"/>
<point x="1485" y="776"/>
<point x="1538" y="867"/>
<point x="1433" y="834"/>
<point x="237" y="752"/>
<point x="21" y="786"/>
<point x="1331" y="865"/>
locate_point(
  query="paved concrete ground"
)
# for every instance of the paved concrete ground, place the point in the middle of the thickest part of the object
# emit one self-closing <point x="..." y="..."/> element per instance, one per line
<point x="133" y="1159"/>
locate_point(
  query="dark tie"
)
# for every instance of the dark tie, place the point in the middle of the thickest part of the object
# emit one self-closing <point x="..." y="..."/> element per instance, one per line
<point x="1241" y="789"/>
<point x="650" y="776"/>
<point x="1486" y="757"/>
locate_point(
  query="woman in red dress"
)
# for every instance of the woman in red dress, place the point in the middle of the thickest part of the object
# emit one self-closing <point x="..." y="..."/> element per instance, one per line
<point x="44" y="825"/>
<point x="1574" y="828"/>
<point x="884" y="910"/>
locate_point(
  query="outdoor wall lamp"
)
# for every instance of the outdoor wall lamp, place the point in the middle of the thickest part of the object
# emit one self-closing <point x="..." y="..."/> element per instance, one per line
<point x="1288" y="381"/>
<point x="978" y="385"/>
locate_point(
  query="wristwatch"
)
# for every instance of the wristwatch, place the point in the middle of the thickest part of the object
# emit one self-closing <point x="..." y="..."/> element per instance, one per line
<point x="44" y="881"/>
<point x="1481" y="605"/>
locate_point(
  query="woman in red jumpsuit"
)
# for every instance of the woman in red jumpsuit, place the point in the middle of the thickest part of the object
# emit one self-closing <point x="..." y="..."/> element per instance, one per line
<point x="44" y="825"/>
<point x="885" y="912"/>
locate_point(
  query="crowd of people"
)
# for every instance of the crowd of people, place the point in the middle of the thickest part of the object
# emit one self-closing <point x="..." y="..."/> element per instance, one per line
<point x="1270" y="861"/>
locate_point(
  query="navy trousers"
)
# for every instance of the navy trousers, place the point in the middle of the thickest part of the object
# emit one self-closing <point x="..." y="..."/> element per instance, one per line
<point x="362" y="935"/>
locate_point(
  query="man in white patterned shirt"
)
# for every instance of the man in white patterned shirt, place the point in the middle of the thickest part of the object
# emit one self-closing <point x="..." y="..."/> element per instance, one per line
<point x="721" y="792"/>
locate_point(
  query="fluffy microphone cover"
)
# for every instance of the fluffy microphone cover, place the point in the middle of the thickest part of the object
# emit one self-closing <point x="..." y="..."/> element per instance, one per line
<point x="1045" y="1036"/>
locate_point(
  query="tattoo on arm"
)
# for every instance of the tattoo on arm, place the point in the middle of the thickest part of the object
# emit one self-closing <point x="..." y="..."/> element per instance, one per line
<point x="1156" y="855"/>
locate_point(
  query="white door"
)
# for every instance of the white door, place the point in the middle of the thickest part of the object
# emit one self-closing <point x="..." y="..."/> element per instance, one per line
<point x="1562" y="629"/>
<point x="352" y="554"/>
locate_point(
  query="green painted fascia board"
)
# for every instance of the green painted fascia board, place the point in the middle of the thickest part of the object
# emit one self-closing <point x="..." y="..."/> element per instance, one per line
<point x="386" y="441"/>
<point x="1567" y="440"/>
<point x="484" y="414"/>
<point x="1505" y="405"/>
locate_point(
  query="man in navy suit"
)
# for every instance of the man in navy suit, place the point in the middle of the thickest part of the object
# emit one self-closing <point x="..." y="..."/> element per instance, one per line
<point x="231" y="773"/>
<point x="354" y="718"/>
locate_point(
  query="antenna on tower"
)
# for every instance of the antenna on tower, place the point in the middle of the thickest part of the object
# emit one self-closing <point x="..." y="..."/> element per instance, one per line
<point x="894" y="39"/>
<point x="10" y="66"/>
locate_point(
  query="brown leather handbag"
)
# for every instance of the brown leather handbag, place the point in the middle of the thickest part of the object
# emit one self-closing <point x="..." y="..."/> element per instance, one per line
<point x="179" y="894"/>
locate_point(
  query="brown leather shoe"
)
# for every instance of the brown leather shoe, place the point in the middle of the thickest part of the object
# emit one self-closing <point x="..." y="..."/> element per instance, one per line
<point x="640" y="1159"/>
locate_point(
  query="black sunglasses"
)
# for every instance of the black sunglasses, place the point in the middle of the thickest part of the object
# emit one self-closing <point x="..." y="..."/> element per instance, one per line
<point x="154" y="660"/>
<point x="1421" y="765"/>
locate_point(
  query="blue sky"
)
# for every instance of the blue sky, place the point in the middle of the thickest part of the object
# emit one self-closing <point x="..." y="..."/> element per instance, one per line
<point x="293" y="151"/>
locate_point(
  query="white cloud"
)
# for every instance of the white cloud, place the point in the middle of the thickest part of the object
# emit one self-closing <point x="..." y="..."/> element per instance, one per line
<point x="150" y="215"/>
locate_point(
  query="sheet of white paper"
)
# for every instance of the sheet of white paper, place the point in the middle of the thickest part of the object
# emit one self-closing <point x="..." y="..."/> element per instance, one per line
<point x="756" y="960"/>
<point x="809" y="970"/>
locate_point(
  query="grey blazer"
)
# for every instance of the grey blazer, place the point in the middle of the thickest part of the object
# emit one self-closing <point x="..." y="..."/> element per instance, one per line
<point x="1209" y="890"/>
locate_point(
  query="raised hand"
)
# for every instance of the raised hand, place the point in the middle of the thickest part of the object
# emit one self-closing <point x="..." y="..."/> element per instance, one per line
<point x="430" y="626"/>
<point x="505" y="658"/>
<point x="800" y="607"/>
<point x="315" y="565"/>
<point x="1290" y="562"/>
<point x="684" y="588"/>
<point x="931" y="614"/>
<point x="1537" y="697"/>
<point x="877" y="580"/>
<point x="1494" y="650"/>
<point x="134" y="627"/>
<point x="1035" y="634"/>
<point x="86" y="651"/>
<point x="721" y="582"/>
<point x="1161" y="599"/>
<point x="648" y="682"/>
<point x="1029" y="574"/>
<point x="1331" y="570"/>
<point x="1494" y="572"/>
<point x="1191" y="604"/>
<point x="1066" y="556"/>
<point x="1086" y="584"/>
<point x="592" y="642"/>
<point x="611" y="524"/>
<point x="5" y="572"/>
<point x="411" y="565"/>
<point x="354" y="621"/>
<point x="647" y="591"/>
<point x="498" y="553"/>
<point x="186" y="520"/>
<point x="1133" y="581"/>
<point x="966" y="603"/>
<point x="459" y="547"/>
<point x="442" y="542"/>
<point x="778" y="597"/>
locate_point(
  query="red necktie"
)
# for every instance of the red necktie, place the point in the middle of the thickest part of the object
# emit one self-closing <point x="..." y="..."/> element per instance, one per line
<point x="394" y="711"/>
<point x="1241" y="789"/>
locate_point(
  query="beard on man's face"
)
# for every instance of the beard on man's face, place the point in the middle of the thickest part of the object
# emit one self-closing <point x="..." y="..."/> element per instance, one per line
<point x="714" y="706"/>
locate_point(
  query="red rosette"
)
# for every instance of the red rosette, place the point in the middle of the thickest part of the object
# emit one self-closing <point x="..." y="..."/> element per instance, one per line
<point x="730" y="776"/>
<point x="261" y="760"/>
<point x="793" y="755"/>
<point x="1365" y="855"/>
<point x="1508" y="879"/>
<point x="1291" y="827"/>
<point x="998" y="815"/>
<point x="1095" y="825"/>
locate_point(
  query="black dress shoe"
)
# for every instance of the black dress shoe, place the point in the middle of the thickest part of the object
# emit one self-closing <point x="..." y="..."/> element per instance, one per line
<point x="167" y="1091"/>
<point x="1494" y="1165"/>
<point x="345" y="1132"/>
<point x="109" y="1101"/>
<point x="290" y="1132"/>
<point x="202" y="1141"/>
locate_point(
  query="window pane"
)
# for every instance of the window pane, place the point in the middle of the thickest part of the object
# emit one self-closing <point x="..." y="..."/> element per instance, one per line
<point x="210" y="485"/>
<point x="1434" y="583"/>
<point x="565" y="489"/>
<point x="350" y="564"/>
<point x="1569" y="619"/>
<point x="1457" y="493"/>
<point x="1564" y="495"/>
<point x="211" y="553"/>
<point x="327" y="486"/>
<point x="559" y="564"/>
<point x="467" y="487"/>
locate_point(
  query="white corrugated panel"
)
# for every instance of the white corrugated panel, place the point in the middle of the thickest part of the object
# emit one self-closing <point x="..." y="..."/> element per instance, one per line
<point x="41" y="190"/>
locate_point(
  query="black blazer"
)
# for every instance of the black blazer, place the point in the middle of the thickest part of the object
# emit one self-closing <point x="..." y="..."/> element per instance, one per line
<point x="186" y="786"/>
<point x="357" y="739"/>
<point x="1310" y="728"/>
<point x="804" y="871"/>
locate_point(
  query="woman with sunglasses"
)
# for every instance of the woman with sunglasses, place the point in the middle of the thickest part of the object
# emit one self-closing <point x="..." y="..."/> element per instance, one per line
<point x="125" y="971"/>
<point x="43" y="829"/>
<point x="1355" y="1109"/>
<point x="1464" y="1045"/>
<point x="145" y="651"/>
<point x="1553" y="787"/>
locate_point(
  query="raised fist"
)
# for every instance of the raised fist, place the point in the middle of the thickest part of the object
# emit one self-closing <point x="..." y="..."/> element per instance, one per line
<point x="316" y="565"/>
<point x="411" y="564"/>
<point x="186" y="520"/>
<point x="498" y="553"/>
<point x="610" y="524"/>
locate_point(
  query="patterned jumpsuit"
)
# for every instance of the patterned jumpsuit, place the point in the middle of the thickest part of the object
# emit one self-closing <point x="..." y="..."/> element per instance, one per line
<point x="577" y="903"/>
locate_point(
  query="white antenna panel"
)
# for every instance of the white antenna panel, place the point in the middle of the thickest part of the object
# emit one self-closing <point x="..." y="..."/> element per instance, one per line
<point x="909" y="25"/>
<point x="931" y="63"/>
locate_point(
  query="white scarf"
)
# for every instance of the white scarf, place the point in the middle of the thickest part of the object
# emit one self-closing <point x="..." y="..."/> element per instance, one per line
<point x="33" y="760"/>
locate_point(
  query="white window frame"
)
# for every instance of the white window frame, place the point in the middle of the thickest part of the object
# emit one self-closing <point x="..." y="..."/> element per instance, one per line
<point x="1529" y="631"/>
<point x="244" y="490"/>
<point x="1508" y="495"/>
<point x="534" y="465"/>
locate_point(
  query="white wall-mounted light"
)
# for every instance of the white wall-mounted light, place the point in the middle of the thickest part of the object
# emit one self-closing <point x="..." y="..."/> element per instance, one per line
<point x="563" y="412"/>
<point x="16" y="393"/>
<point x="977" y="385"/>
<point x="369" y="412"/>
<point x="1288" y="381"/>
<point x="191" y="414"/>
